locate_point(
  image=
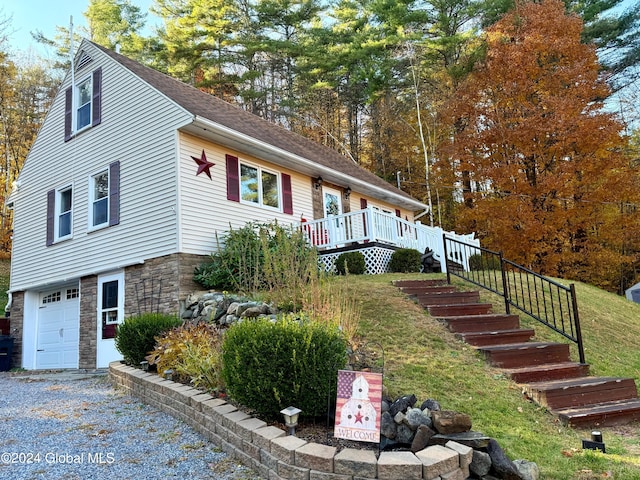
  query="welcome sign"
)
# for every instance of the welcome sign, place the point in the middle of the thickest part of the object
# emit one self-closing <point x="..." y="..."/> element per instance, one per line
<point x="358" y="406"/>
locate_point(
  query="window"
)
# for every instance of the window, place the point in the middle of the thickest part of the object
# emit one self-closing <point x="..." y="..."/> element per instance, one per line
<point x="259" y="186"/>
<point x="51" y="298"/>
<point x="99" y="199"/>
<point x="59" y="214"/>
<point x="83" y="105"/>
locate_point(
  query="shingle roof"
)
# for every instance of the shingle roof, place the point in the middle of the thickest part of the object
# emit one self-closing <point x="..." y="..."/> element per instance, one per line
<point x="223" y="113"/>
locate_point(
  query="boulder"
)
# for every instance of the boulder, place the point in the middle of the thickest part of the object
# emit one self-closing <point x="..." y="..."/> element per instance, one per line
<point x="446" y="421"/>
<point x="528" y="470"/>
<point x="432" y="405"/>
<point x="480" y="464"/>
<point x="504" y="467"/>
<point x="401" y="404"/>
<point x="388" y="427"/>
<point x="421" y="438"/>
<point x="416" y="417"/>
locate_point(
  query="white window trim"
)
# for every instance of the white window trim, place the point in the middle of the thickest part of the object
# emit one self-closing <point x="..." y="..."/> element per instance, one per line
<point x="57" y="213"/>
<point x="91" y="227"/>
<point x="261" y="169"/>
<point x="76" y="105"/>
<point x="102" y="279"/>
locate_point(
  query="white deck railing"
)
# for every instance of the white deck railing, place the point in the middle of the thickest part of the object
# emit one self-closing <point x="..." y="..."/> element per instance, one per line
<point x="370" y="225"/>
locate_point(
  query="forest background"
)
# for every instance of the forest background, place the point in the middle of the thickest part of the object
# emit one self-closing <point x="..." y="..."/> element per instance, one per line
<point x="495" y="113"/>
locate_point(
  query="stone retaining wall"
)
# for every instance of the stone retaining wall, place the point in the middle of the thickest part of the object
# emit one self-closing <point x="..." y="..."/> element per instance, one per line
<point x="272" y="453"/>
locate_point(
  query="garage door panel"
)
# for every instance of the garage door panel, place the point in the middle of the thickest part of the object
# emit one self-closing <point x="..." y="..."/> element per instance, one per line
<point x="58" y="333"/>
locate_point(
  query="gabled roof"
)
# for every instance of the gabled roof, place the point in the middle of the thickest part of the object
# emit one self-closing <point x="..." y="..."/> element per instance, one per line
<point x="319" y="159"/>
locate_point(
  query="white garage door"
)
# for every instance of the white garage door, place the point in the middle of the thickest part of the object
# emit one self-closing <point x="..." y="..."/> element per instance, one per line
<point x="58" y="329"/>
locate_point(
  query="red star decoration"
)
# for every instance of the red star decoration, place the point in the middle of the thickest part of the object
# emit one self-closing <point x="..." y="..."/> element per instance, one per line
<point x="358" y="417"/>
<point x="203" y="165"/>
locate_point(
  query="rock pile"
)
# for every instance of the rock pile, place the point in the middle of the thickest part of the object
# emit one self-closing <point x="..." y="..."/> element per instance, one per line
<point x="223" y="309"/>
<point x="405" y="426"/>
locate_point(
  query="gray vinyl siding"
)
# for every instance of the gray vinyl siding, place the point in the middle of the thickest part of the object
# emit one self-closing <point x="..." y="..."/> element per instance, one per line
<point x="138" y="129"/>
<point x="205" y="210"/>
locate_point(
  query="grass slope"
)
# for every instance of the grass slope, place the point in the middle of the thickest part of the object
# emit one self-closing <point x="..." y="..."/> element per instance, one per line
<point x="422" y="357"/>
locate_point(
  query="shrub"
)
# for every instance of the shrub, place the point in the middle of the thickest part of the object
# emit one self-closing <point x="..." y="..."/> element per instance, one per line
<point x="405" y="260"/>
<point x="483" y="262"/>
<point x="268" y="366"/>
<point x="135" y="337"/>
<point x="193" y="352"/>
<point x="351" y="262"/>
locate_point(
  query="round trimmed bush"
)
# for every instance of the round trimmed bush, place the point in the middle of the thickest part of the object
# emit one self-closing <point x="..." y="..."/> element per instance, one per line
<point x="405" y="260"/>
<point x="135" y="337"/>
<point x="351" y="262"/>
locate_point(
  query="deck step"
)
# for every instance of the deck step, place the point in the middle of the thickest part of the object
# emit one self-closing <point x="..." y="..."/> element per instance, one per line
<point x="578" y="392"/>
<point x="462" y="309"/>
<point x="526" y="354"/>
<point x="448" y="298"/>
<point x="497" y="337"/>
<point x="419" y="283"/>
<point x="601" y="415"/>
<point x="548" y="372"/>
<point x="428" y="290"/>
<point x="481" y="323"/>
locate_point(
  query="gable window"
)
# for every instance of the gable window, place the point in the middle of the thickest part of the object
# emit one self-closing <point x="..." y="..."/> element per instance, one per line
<point x="256" y="185"/>
<point x="83" y="105"/>
<point x="59" y="214"/>
<point x="104" y="197"/>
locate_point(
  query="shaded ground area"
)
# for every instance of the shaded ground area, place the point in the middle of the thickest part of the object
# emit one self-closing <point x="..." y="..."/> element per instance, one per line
<point x="76" y="426"/>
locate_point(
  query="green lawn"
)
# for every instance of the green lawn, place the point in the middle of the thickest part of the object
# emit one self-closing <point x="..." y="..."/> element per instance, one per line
<point x="422" y="357"/>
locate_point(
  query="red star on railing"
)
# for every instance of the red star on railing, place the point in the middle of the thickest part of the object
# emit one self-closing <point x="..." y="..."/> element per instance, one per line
<point x="203" y="165"/>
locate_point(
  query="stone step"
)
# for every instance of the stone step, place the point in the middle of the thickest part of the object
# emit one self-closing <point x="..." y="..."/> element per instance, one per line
<point x="578" y="392"/>
<point x="481" y="323"/>
<point x="601" y="415"/>
<point x="448" y="298"/>
<point x="526" y="354"/>
<point x="457" y="310"/>
<point x="547" y="372"/>
<point x="497" y="337"/>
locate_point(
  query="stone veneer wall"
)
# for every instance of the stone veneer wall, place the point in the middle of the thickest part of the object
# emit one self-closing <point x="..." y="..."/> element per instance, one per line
<point x="272" y="453"/>
<point x="88" y="318"/>
<point x="16" y="325"/>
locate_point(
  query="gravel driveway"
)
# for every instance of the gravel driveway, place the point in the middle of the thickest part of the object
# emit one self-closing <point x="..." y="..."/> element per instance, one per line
<point x="67" y="426"/>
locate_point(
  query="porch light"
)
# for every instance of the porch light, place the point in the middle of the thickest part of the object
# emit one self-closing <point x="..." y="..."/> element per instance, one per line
<point x="291" y="418"/>
<point x="317" y="182"/>
<point x="347" y="192"/>
<point x="595" y="443"/>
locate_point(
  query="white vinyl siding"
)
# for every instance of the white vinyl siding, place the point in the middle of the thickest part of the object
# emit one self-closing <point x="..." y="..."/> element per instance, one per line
<point x="205" y="210"/>
<point x="145" y="146"/>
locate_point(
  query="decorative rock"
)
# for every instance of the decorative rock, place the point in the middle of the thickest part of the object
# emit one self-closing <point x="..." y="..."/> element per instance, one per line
<point x="528" y="470"/>
<point x="421" y="438"/>
<point x="388" y="427"/>
<point x="252" y="312"/>
<point x="431" y="404"/>
<point x="501" y="463"/>
<point x="470" y="439"/>
<point x="384" y="406"/>
<point x="405" y="434"/>
<point x="233" y="308"/>
<point x="401" y="404"/>
<point x="387" y="444"/>
<point x="207" y="311"/>
<point x="446" y="421"/>
<point x="480" y="464"/>
<point x="187" y="314"/>
<point x="415" y="417"/>
<point x="398" y="417"/>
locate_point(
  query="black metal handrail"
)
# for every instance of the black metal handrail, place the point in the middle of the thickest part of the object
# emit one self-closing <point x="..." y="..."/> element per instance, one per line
<point x="543" y="299"/>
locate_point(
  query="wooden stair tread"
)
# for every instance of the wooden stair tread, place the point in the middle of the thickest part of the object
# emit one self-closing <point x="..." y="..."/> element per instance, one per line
<point x="602" y="414"/>
<point x="547" y="372"/>
<point x="496" y="337"/>
<point x="523" y="346"/>
<point x="580" y="382"/>
<point x="497" y="332"/>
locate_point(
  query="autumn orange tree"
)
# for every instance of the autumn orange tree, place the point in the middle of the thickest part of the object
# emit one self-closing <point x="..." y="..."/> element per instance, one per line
<point x="546" y="177"/>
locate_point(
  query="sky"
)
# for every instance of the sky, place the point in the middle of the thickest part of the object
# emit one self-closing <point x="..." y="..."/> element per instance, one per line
<point x="45" y="15"/>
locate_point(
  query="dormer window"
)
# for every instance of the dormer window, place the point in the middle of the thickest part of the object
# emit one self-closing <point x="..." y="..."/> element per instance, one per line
<point x="83" y="105"/>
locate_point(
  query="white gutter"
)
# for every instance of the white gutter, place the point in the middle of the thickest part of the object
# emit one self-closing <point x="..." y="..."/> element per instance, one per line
<point x="229" y="132"/>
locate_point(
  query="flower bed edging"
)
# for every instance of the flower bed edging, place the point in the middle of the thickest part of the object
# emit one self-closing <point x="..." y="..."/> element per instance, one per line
<point x="271" y="452"/>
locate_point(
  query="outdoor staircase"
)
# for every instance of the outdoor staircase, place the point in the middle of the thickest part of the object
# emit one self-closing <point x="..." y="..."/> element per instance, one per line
<point x="544" y="369"/>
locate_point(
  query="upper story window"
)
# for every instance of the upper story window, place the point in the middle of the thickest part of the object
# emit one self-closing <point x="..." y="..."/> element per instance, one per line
<point x="83" y="104"/>
<point x="59" y="214"/>
<point x="256" y="185"/>
<point x="99" y="199"/>
<point x="259" y="186"/>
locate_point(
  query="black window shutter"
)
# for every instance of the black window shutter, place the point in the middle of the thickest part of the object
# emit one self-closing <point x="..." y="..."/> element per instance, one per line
<point x="233" y="179"/>
<point x="287" y="194"/>
<point x="68" y="114"/>
<point x="51" y="211"/>
<point x="97" y="97"/>
<point x="114" y="193"/>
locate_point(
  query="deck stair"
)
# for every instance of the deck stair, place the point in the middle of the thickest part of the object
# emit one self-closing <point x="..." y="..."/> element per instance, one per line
<point x="544" y="369"/>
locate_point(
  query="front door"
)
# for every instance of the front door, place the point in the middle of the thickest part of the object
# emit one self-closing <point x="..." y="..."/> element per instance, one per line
<point x="110" y="314"/>
<point x="333" y="208"/>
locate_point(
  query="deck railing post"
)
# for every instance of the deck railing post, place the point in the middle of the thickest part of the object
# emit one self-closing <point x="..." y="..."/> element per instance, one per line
<point x="446" y="256"/>
<point x="505" y="289"/>
<point x="576" y="319"/>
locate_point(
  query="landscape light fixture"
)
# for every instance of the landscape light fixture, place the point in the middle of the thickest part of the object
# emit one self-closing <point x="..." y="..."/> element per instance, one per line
<point x="145" y="365"/>
<point x="291" y="418"/>
<point x="595" y="443"/>
<point x="168" y="374"/>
